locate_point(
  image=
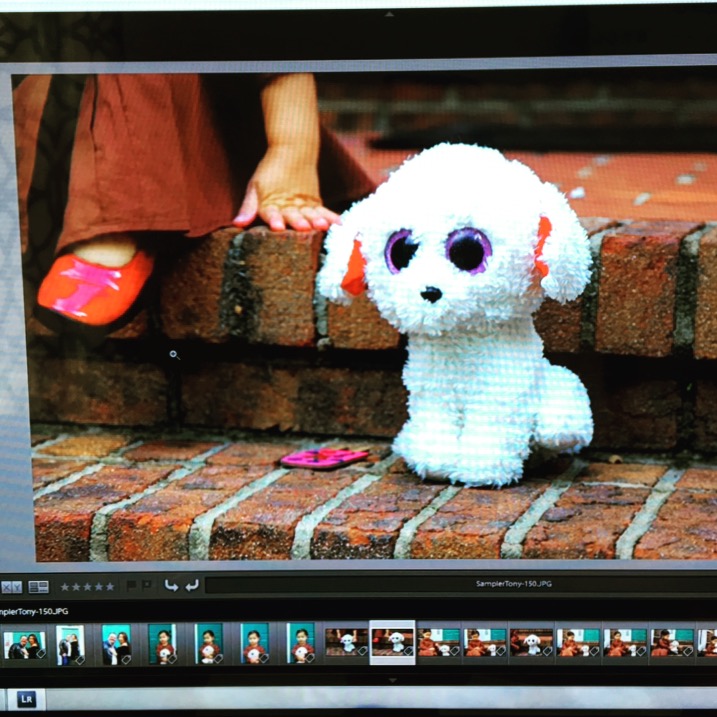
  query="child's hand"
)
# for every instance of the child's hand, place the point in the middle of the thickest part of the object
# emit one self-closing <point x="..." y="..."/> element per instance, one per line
<point x="284" y="192"/>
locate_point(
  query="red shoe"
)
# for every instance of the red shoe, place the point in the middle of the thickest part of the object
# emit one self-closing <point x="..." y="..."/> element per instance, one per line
<point x="92" y="294"/>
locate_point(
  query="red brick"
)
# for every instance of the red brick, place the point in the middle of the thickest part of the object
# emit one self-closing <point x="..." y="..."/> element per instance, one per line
<point x="646" y="475"/>
<point x="351" y="402"/>
<point x="559" y="325"/>
<point x="280" y="274"/>
<point x="637" y="288"/>
<point x="685" y="527"/>
<point x="102" y="392"/>
<point x="169" y="450"/>
<point x="698" y="479"/>
<point x="631" y="413"/>
<point x="368" y="524"/>
<point x="262" y="527"/>
<point x="586" y="522"/>
<point x="337" y="401"/>
<point x="705" y="343"/>
<point x="705" y="413"/>
<point x="472" y="526"/>
<point x="253" y="453"/>
<point x="157" y="527"/>
<point x="192" y="290"/>
<point x="360" y="326"/>
<point x="241" y="396"/>
<point x="63" y="519"/>
<point x="46" y="472"/>
<point x="88" y="444"/>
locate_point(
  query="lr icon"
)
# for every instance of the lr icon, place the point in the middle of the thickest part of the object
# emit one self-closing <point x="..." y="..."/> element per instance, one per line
<point x="27" y="699"/>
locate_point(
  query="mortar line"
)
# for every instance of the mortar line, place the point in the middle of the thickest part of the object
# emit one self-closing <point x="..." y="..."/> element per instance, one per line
<point x="686" y="285"/>
<point x="590" y="295"/>
<point x="301" y="547"/>
<point x="99" y="548"/>
<point x="67" y="480"/>
<point x="119" y="453"/>
<point x="512" y="545"/>
<point x="644" y="518"/>
<point x="405" y="538"/>
<point x="200" y="532"/>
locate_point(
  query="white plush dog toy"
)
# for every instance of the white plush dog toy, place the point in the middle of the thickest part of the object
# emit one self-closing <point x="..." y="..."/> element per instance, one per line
<point x="457" y="249"/>
<point x="532" y="641"/>
<point x="397" y="639"/>
<point x="348" y="642"/>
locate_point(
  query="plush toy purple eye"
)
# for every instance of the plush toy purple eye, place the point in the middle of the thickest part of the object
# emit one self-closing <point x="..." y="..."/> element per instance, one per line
<point x="468" y="249"/>
<point x="399" y="250"/>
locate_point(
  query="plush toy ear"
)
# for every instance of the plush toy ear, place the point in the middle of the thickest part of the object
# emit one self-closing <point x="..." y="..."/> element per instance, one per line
<point x="342" y="276"/>
<point x="562" y="252"/>
<point x="354" y="281"/>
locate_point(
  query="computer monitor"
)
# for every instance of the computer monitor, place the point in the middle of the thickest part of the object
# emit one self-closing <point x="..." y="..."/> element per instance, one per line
<point x="358" y="358"/>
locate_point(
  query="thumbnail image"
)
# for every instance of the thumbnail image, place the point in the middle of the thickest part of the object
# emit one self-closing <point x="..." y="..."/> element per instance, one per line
<point x="625" y="642"/>
<point x="439" y="642"/>
<point x="301" y="642"/>
<point x="346" y="642"/>
<point x="25" y="645"/>
<point x="666" y="642"/>
<point x="161" y="639"/>
<point x="157" y="243"/>
<point x="392" y="642"/>
<point x="578" y="642"/>
<point x="531" y="642"/>
<point x="116" y="644"/>
<point x="70" y="645"/>
<point x="484" y="642"/>
<point x="707" y="643"/>
<point x="208" y="640"/>
<point x="255" y="643"/>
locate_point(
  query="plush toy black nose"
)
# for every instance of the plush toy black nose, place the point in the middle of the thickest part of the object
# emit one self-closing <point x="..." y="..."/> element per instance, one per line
<point x="432" y="294"/>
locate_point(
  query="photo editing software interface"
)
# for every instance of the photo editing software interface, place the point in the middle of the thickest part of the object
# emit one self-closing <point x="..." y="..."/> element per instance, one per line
<point x="371" y="369"/>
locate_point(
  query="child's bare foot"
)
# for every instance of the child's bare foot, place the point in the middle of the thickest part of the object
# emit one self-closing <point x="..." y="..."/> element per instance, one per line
<point x="108" y="250"/>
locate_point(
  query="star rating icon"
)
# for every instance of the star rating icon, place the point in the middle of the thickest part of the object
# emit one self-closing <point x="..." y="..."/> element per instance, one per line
<point x="65" y="587"/>
<point x="98" y="587"/>
<point x="76" y="586"/>
<point x="109" y="587"/>
<point x="88" y="587"/>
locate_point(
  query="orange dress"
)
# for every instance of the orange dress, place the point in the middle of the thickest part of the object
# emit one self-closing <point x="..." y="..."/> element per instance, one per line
<point x="164" y="153"/>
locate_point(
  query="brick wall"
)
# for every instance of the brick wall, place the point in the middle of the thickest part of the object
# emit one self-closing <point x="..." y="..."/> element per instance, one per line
<point x="259" y="350"/>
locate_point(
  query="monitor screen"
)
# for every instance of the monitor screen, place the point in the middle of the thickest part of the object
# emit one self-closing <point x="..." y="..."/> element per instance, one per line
<point x="373" y="346"/>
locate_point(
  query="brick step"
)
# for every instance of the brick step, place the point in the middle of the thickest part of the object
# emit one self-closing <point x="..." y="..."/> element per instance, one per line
<point x="259" y="350"/>
<point x="653" y="293"/>
<point x="104" y="495"/>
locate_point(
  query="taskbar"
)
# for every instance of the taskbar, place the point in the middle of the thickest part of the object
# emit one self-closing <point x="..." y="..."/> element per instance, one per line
<point x="356" y="583"/>
<point x="336" y="699"/>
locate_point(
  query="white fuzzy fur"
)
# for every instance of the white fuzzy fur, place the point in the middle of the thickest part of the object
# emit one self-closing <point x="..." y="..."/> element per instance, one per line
<point x="532" y="642"/>
<point x="397" y="639"/>
<point x="481" y="394"/>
